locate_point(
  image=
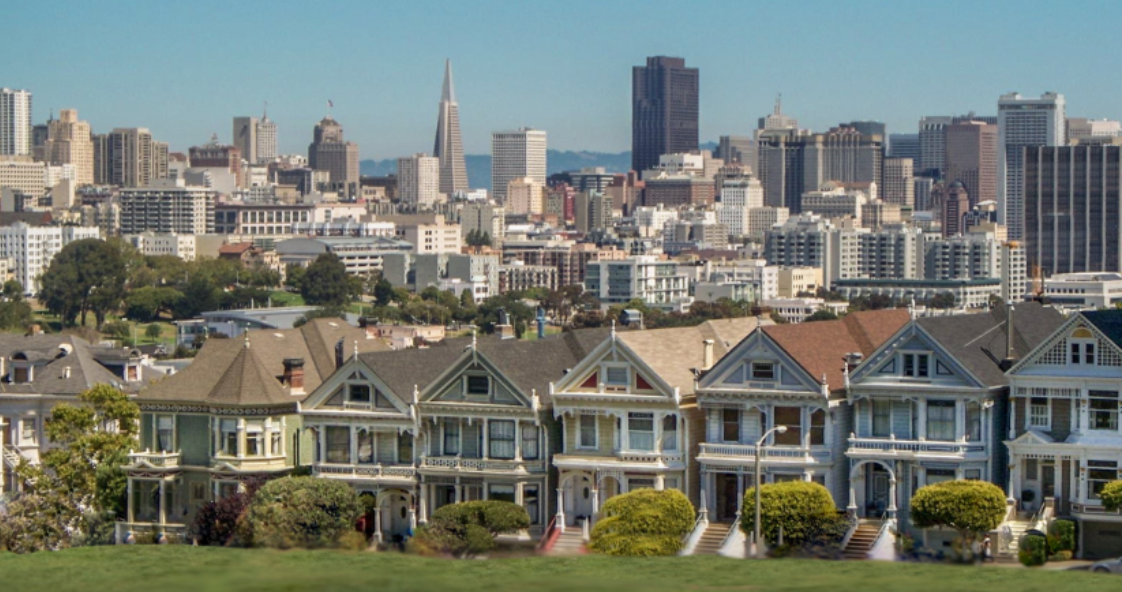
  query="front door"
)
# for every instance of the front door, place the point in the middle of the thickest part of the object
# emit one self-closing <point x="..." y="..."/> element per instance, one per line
<point x="728" y="501"/>
<point x="878" y="492"/>
<point x="398" y="516"/>
<point x="579" y="500"/>
<point x="1047" y="479"/>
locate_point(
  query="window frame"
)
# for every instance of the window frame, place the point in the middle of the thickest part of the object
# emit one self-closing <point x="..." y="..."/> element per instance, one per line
<point x="1032" y="409"/>
<point x="468" y="378"/>
<point x="157" y="445"/>
<point x="887" y="418"/>
<point x="581" y="431"/>
<point x="632" y="432"/>
<point x="606" y="371"/>
<point x="1100" y="466"/>
<point x="1093" y="414"/>
<point x="451" y="435"/>
<point x="493" y="439"/>
<point x="330" y="447"/>
<point x="771" y="374"/>
<point x="942" y="404"/>
<point x="223" y="437"/>
<point x="915" y="364"/>
<point x="530" y="441"/>
<point x="725" y="423"/>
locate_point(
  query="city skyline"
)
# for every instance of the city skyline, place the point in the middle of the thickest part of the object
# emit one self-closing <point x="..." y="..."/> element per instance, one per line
<point x="385" y="89"/>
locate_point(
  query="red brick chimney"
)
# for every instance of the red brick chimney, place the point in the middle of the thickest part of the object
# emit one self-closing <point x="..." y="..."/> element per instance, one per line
<point x="294" y="375"/>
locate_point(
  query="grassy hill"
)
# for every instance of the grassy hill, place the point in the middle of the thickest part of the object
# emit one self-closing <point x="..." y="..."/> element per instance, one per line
<point x="175" y="568"/>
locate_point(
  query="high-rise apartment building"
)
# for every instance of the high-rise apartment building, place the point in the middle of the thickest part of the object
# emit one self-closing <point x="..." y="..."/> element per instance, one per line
<point x="330" y="152"/>
<point x="15" y="122"/>
<point x="971" y="158"/>
<point x="792" y="163"/>
<point x="266" y="140"/>
<point x="245" y="137"/>
<point x="592" y="211"/>
<point x="899" y="182"/>
<point x="1023" y="122"/>
<point x="1073" y="208"/>
<point x="69" y="142"/>
<point x="32" y="248"/>
<point x="664" y="110"/>
<point x="516" y="154"/>
<point x="418" y="181"/>
<point x="484" y="218"/>
<point x="525" y="196"/>
<point x="933" y="145"/>
<point x="129" y="157"/>
<point x="1081" y="128"/>
<point x="448" y="146"/>
<point x="168" y="206"/>
<point x="739" y="196"/>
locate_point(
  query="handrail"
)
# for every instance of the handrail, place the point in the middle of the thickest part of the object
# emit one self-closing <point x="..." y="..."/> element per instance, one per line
<point x="549" y="536"/>
<point x="689" y="541"/>
<point x="732" y="531"/>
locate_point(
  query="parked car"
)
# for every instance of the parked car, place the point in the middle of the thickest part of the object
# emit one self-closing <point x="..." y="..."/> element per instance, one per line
<point x="1108" y="566"/>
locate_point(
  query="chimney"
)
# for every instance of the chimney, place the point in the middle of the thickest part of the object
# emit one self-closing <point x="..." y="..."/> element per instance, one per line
<point x="1010" y="354"/>
<point x="294" y="375"/>
<point x="34" y="329"/>
<point x="505" y="331"/>
<point x="853" y="359"/>
<point x="707" y="359"/>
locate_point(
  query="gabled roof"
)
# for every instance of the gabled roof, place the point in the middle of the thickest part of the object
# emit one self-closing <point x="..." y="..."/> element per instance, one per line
<point x="528" y="364"/>
<point x="1108" y="322"/>
<point x="50" y="361"/>
<point x="674" y="353"/>
<point x="979" y="341"/>
<point x="820" y="347"/>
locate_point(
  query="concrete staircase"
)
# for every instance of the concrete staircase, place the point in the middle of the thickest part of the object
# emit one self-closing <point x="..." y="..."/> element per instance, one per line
<point x="1017" y="529"/>
<point x="571" y="542"/>
<point x="11" y="456"/>
<point x="862" y="540"/>
<point x="711" y="539"/>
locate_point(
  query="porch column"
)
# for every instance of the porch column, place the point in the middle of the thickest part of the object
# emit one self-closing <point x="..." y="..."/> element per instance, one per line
<point x="163" y="505"/>
<point x="459" y="491"/>
<point x="518" y="440"/>
<point x="241" y="437"/>
<point x="595" y="500"/>
<point x="921" y="419"/>
<point x="658" y="436"/>
<point x="422" y="503"/>
<point x="660" y="482"/>
<point x="892" y="495"/>
<point x="1058" y="471"/>
<point x="486" y="439"/>
<point x="561" y="509"/>
<point x="378" y="524"/>
<point x="1015" y="478"/>
<point x="740" y="492"/>
<point x="851" y="509"/>
<point x="131" y="503"/>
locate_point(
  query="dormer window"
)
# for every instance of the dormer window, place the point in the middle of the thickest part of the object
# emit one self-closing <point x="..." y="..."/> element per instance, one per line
<point x="358" y="393"/>
<point x="616" y="376"/>
<point x="763" y="371"/>
<point x="478" y="386"/>
<point x="916" y="365"/>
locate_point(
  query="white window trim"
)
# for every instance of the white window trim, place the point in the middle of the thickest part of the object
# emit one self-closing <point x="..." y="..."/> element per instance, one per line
<point x="616" y="365"/>
<point x="751" y="375"/>
<point x="596" y="431"/>
<point x="915" y="368"/>
<point x="1028" y="414"/>
<point x="476" y="396"/>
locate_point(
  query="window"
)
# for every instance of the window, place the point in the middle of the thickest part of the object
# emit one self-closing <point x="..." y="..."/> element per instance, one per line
<point x="792" y="418"/>
<point x="228" y="436"/>
<point x="338" y="444"/>
<point x="818" y="427"/>
<point x="165" y="433"/>
<point x="451" y="437"/>
<point x="633" y="484"/>
<point x="916" y="365"/>
<point x="670" y="432"/>
<point x="763" y="371"/>
<point x="973" y="422"/>
<point x="587" y="431"/>
<point x="254" y="438"/>
<point x="384" y="453"/>
<point x="227" y="488"/>
<point x="1083" y="352"/>
<point x="640" y="431"/>
<point x="972" y="474"/>
<point x="939" y="475"/>
<point x="500" y="492"/>
<point x="276" y="440"/>
<point x="882" y="418"/>
<point x="405" y="448"/>
<point x="940" y="420"/>
<point x="365" y="447"/>
<point x="616" y="376"/>
<point x="1104" y="410"/>
<point x="198" y="492"/>
<point x="1039" y="415"/>
<point x="478" y="385"/>
<point x="501" y="438"/>
<point x="1099" y="473"/>
<point x="531" y="500"/>
<point x="359" y="393"/>
<point x="730" y="425"/>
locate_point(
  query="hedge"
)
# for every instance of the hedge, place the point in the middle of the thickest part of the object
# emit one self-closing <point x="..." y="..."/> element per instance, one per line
<point x="468" y="528"/>
<point x="1061" y="537"/>
<point x="971" y="507"/>
<point x="302" y="512"/>
<point x="644" y="522"/>
<point x="1032" y="550"/>
<point x="803" y="509"/>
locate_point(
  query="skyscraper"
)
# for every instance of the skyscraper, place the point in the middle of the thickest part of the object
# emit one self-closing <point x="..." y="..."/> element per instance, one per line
<point x="129" y="157"/>
<point x="777" y="120"/>
<point x="737" y="150"/>
<point x="933" y="145"/>
<point x="664" y="110"/>
<point x="1023" y="122"/>
<point x="330" y="152"/>
<point x="794" y="162"/>
<point x="904" y="146"/>
<point x="266" y="140"/>
<point x="69" y="142"/>
<point x="245" y="137"/>
<point x="899" y="182"/>
<point x="15" y="122"/>
<point x="449" y="147"/>
<point x="971" y="157"/>
<point x="418" y="181"/>
<point x="516" y="154"/>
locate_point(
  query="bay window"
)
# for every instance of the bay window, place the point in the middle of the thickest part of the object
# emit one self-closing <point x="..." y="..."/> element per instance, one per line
<point x="973" y="422"/>
<point x="792" y="418"/>
<point x="254" y="438"/>
<point x="587" y="431"/>
<point x="818" y="427"/>
<point x="939" y="475"/>
<point x="940" y="420"/>
<point x="882" y="418"/>
<point x="405" y="448"/>
<point x="451" y="437"/>
<point x="165" y="433"/>
<point x="365" y="447"/>
<point x="500" y="492"/>
<point x="730" y="425"/>
<point x="1039" y="414"/>
<point x="338" y="444"/>
<point x="640" y="431"/>
<point x="1099" y="473"/>
<point x="228" y="437"/>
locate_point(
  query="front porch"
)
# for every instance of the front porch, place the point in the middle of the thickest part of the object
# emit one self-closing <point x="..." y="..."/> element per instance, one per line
<point x="586" y="483"/>
<point x="440" y="489"/>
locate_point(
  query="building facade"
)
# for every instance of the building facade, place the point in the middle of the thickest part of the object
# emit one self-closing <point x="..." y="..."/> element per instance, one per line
<point x="514" y="155"/>
<point x="664" y="110"/>
<point x="1022" y="123"/>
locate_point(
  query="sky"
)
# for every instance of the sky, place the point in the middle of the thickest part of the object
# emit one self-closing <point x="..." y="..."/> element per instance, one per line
<point x="185" y="69"/>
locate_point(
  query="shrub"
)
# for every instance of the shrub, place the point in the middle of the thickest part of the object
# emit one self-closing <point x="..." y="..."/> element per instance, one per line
<point x="352" y="541"/>
<point x="644" y="522"/>
<point x="803" y="509"/>
<point x="468" y="528"/>
<point x="969" y="507"/>
<point x="302" y="512"/>
<point x="1061" y="556"/>
<point x="1032" y="550"/>
<point x="216" y="523"/>
<point x="1061" y="536"/>
<point x="1111" y="495"/>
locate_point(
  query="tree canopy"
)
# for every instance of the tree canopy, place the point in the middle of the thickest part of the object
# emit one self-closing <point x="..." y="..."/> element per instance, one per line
<point x="86" y="275"/>
<point x="971" y="507"/>
<point x="325" y="282"/>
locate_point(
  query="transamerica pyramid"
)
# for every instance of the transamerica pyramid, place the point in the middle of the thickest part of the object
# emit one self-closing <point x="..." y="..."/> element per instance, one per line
<point x="449" y="147"/>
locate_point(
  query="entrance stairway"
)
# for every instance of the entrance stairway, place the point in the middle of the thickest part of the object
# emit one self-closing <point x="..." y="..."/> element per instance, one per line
<point x="862" y="540"/>
<point x="570" y="542"/>
<point x="711" y="539"/>
<point x="1017" y="528"/>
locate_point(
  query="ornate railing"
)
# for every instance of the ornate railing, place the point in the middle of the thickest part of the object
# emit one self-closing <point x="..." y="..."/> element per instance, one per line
<point x="365" y="471"/>
<point x="159" y="460"/>
<point x="454" y="463"/>
<point x="766" y="452"/>
<point x="664" y="458"/>
<point x="12" y="456"/>
<point x="893" y="446"/>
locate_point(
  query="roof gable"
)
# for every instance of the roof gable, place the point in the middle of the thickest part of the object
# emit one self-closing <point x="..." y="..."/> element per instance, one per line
<point x="475" y="379"/>
<point x="1053" y="355"/>
<point x="750" y="362"/>
<point x="913" y="359"/>
<point x="601" y="371"/>
<point x="331" y="396"/>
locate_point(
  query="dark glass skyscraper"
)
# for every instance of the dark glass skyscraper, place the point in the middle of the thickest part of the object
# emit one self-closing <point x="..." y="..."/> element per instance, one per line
<point x="664" y="109"/>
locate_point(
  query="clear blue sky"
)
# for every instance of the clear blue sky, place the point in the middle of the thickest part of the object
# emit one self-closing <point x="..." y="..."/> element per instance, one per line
<point x="184" y="69"/>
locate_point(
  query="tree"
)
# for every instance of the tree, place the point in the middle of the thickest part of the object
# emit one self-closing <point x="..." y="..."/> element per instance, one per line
<point x="86" y="275"/>
<point x="146" y="303"/>
<point x="944" y="300"/>
<point x="1111" y="496"/>
<point x="153" y="331"/>
<point x="475" y="238"/>
<point x="303" y="512"/>
<point x="822" y="314"/>
<point x="325" y="282"/>
<point x="15" y="313"/>
<point x="803" y="510"/>
<point x="968" y="506"/>
<point x="383" y="292"/>
<point x="469" y="528"/>
<point x="644" y="522"/>
<point x="326" y="312"/>
<point x="216" y="523"/>
<point x="199" y="295"/>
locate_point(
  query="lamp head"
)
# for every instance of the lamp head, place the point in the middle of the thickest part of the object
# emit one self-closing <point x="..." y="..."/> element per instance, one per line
<point x="781" y="429"/>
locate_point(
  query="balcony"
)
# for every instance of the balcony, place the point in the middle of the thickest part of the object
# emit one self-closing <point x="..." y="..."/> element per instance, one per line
<point x="481" y="465"/>
<point x="890" y="447"/>
<point x="154" y="460"/>
<point x="365" y="471"/>
<point x="251" y="464"/>
<point x="741" y="452"/>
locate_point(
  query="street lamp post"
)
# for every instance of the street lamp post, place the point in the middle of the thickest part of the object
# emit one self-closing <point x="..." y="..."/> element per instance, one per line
<point x="782" y="429"/>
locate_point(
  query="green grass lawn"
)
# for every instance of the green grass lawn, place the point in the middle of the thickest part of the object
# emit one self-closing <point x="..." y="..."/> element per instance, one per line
<point x="282" y="298"/>
<point x="173" y="568"/>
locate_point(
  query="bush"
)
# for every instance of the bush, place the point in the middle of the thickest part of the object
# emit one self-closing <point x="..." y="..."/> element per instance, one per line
<point x="352" y="541"/>
<point x="302" y="512"/>
<point x="644" y="522"/>
<point x="1111" y="496"/>
<point x="1032" y="550"/>
<point x="1061" y="556"/>
<point x="468" y="528"/>
<point x="803" y="509"/>
<point x="217" y="522"/>
<point x="969" y="507"/>
<point x="1061" y="536"/>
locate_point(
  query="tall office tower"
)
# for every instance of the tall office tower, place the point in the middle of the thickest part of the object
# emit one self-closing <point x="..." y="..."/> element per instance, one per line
<point x="738" y="197"/>
<point x="1073" y="207"/>
<point x="899" y="182"/>
<point x="15" y="122"/>
<point x="69" y="142"/>
<point x="516" y="154"/>
<point x="129" y="157"/>
<point x="933" y="145"/>
<point x="330" y="152"/>
<point x="923" y="186"/>
<point x="869" y="128"/>
<point x="418" y="181"/>
<point x="1023" y="122"/>
<point x="664" y="110"/>
<point x="737" y="150"/>
<point x="591" y="179"/>
<point x="39" y="133"/>
<point x="971" y="157"/>
<point x="777" y="120"/>
<point x="953" y="202"/>
<point x="904" y="146"/>
<point x="245" y="137"/>
<point x="266" y="140"/>
<point x="449" y="147"/>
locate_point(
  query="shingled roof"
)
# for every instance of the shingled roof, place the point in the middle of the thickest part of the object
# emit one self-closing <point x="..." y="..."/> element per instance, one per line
<point x="979" y="341"/>
<point x="675" y="352"/>
<point x="52" y="355"/>
<point x="820" y="347"/>
<point x="1108" y="322"/>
